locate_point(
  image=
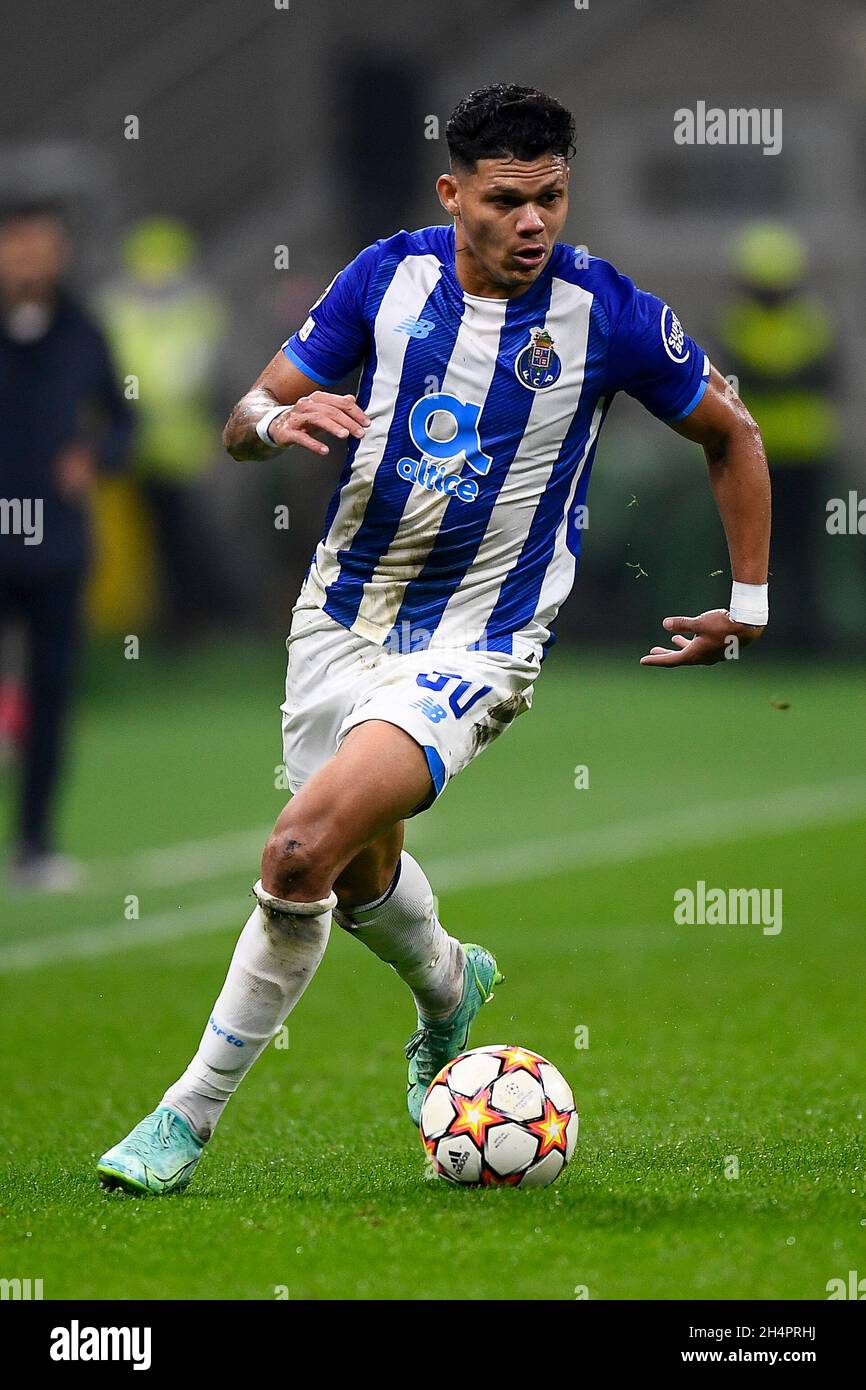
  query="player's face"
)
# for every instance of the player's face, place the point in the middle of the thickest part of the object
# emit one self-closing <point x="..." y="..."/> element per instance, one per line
<point x="509" y="213"/>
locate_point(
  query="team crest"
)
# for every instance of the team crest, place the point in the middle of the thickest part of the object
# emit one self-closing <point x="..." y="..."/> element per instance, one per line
<point x="537" y="365"/>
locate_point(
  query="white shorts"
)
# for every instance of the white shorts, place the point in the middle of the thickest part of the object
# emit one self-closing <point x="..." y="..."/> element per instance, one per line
<point x="453" y="702"/>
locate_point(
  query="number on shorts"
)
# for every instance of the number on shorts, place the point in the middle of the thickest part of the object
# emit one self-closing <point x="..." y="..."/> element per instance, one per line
<point x="463" y="696"/>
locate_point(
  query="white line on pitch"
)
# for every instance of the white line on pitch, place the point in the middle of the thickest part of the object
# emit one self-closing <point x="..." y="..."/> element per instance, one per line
<point x="712" y="822"/>
<point x="188" y="862"/>
<point x="708" y="824"/>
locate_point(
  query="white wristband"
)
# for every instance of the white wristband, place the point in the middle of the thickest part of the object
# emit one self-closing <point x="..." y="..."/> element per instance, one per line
<point x="262" y="428"/>
<point x="749" y="604"/>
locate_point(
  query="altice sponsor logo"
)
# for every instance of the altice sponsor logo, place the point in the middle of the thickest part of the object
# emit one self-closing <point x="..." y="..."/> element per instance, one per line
<point x="740" y="125"/>
<point x="729" y="907"/>
<point x="77" y="1343"/>
<point x="444" y="430"/>
<point x="429" y="474"/>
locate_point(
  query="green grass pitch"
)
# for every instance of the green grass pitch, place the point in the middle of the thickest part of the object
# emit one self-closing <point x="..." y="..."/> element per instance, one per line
<point x="712" y="1049"/>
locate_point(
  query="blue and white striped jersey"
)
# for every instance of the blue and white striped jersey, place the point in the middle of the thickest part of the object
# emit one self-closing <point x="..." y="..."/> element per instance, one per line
<point x="457" y="518"/>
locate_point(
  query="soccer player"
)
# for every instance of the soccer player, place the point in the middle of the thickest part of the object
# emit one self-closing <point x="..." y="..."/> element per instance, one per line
<point x="490" y="353"/>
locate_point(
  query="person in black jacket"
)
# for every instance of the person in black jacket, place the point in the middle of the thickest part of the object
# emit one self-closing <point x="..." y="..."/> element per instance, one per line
<point x="62" y="418"/>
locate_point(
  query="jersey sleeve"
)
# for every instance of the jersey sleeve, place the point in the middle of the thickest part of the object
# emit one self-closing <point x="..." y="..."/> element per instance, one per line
<point x="652" y="358"/>
<point x="335" y="337"/>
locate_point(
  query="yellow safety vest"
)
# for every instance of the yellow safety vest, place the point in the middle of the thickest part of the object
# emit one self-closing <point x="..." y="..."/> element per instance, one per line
<point x="772" y="349"/>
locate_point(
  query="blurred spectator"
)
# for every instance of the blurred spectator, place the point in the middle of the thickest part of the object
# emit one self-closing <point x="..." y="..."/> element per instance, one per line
<point x="62" y="417"/>
<point x="779" y="342"/>
<point x="166" y="327"/>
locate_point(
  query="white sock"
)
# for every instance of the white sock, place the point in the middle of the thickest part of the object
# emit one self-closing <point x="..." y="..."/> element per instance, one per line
<point x="402" y="928"/>
<point x="275" y="958"/>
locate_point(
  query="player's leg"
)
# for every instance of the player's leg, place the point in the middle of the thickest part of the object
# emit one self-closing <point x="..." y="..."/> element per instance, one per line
<point x="378" y="776"/>
<point x="52" y="612"/>
<point x="452" y="713"/>
<point x="384" y="897"/>
<point x="386" y="902"/>
<point x="449" y="981"/>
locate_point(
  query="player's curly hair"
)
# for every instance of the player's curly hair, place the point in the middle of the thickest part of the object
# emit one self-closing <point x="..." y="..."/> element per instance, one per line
<point x="504" y="119"/>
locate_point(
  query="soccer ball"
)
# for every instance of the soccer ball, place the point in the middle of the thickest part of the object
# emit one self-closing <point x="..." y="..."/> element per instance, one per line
<point x="499" y="1117"/>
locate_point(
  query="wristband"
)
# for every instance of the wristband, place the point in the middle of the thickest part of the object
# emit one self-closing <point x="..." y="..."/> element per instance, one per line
<point x="749" y="604"/>
<point x="262" y="427"/>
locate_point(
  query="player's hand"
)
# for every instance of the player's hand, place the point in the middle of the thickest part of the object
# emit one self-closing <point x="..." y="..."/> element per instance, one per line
<point x="317" y="414"/>
<point x="702" y="641"/>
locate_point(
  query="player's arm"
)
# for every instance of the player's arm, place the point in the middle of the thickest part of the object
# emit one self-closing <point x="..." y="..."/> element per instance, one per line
<point x="313" y="412"/>
<point x="740" y="481"/>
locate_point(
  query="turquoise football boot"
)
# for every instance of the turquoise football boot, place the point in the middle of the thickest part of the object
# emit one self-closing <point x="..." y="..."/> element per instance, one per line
<point x="159" y="1156"/>
<point x="432" y="1045"/>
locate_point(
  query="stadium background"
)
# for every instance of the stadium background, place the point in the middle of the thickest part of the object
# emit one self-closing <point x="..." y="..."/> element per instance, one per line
<point x="306" y="128"/>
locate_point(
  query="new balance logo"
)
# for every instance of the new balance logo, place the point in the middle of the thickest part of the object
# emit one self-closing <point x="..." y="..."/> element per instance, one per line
<point x="416" y="328"/>
<point x="429" y="708"/>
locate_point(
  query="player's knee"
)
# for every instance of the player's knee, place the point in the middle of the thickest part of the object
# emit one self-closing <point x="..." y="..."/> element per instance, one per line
<point x="295" y="863"/>
<point x="367" y="876"/>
